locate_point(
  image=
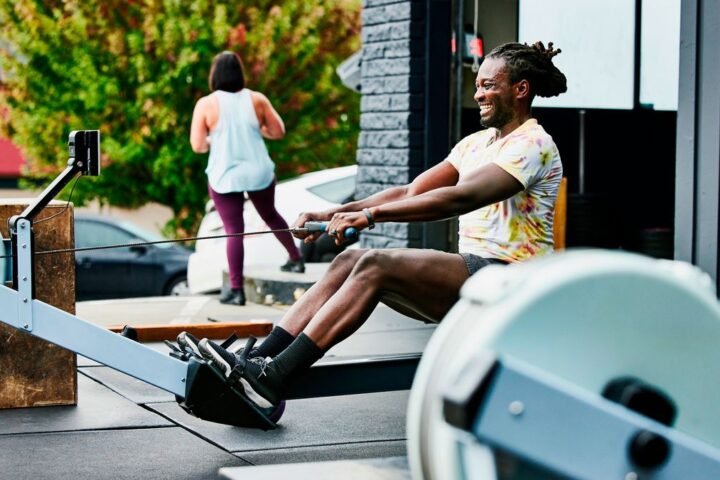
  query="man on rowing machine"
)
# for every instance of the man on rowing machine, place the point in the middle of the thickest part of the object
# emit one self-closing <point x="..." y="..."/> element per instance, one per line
<point x="502" y="181"/>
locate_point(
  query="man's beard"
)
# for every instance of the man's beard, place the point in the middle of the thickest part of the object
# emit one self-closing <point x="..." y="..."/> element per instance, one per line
<point x="500" y="118"/>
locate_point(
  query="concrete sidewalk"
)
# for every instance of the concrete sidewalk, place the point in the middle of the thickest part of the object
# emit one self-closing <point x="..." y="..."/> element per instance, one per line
<point x="173" y="311"/>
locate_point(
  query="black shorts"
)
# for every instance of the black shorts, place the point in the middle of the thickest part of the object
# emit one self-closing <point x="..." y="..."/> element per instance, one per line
<point x="475" y="262"/>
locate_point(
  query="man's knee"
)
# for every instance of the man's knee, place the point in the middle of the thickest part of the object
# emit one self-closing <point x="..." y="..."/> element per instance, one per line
<point x="347" y="258"/>
<point x="374" y="262"/>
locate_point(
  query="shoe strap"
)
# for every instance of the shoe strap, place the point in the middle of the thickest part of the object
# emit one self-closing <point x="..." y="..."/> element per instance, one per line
<point x="236" y="373"/>
<point x="248" y="347"/>
<point x="227" y="343"/>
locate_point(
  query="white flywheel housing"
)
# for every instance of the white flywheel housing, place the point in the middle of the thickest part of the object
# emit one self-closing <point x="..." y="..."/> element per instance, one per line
<point x="585" y="317"/>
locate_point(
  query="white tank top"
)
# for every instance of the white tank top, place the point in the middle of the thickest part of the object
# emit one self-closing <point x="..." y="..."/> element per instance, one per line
<point x="239" y="159"/>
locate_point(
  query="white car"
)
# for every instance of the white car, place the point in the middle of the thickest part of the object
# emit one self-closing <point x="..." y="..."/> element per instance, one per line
<point x="310" y="192"/>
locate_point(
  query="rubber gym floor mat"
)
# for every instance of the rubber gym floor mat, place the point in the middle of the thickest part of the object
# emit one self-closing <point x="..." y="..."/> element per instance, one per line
<point x="98" y="408"/>
<point x="347" y="451"/>
<point x="131" y="388"/>
<point x="150" y="453"/>
<point x="323" y="421"/>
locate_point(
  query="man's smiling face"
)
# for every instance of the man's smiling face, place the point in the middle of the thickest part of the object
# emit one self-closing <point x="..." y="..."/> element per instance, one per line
<point x="494" y="94"/>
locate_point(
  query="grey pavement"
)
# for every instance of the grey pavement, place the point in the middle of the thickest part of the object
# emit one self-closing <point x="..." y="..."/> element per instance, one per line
<point x="172" y="310"/>
<point x="125" y="428"/>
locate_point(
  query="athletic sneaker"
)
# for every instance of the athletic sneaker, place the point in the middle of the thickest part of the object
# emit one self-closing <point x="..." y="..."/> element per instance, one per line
<point x="233" y="297"/>
<point x="189" y="344"/>
<point x="294" y="266"/>
<point x="259" y="379"/>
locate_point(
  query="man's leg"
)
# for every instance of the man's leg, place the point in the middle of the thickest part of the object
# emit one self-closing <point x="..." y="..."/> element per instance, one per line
<point x="427" y="281"/>
<point x="302" y="311"/>
<point x="423" y="282"/>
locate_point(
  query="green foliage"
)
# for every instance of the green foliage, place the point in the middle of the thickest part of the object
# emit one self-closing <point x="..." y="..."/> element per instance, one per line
<point x="134" y="70"/>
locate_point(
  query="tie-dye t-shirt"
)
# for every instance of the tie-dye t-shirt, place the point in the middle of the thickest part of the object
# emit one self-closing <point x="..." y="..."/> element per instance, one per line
<point x="521" y="226"/>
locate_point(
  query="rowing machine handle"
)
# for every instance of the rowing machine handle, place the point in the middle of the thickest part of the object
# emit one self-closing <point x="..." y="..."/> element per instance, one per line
<point x="350" y="233"/>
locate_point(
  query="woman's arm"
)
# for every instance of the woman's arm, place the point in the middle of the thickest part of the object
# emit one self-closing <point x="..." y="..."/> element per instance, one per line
<point x="271" y="125"/>
<point x="199" y="127"/>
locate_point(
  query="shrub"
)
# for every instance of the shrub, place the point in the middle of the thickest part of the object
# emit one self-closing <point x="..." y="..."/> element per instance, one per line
<point x="134" y="70"/>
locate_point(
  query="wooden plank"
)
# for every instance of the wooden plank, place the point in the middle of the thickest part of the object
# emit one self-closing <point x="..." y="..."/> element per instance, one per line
<point x="34" y="372"/>
<point x="158" y="333"/>
<point x="560" y="218"/>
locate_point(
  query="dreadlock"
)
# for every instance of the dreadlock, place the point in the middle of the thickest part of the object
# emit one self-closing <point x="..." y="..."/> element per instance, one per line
<point x="534" y="64"/>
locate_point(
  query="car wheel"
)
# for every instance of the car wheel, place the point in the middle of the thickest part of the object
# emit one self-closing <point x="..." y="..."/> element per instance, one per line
<point x="178" y="286"/>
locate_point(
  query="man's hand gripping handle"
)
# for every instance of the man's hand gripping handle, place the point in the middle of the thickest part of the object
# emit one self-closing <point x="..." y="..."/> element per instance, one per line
<point x="350" y="233"/>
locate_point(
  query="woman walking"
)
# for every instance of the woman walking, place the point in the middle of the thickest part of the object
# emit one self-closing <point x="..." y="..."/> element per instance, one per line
<point x="231" y="123"/>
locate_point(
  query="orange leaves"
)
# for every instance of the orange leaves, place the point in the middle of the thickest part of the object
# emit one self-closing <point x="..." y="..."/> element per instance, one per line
<point x="237" y="36"/>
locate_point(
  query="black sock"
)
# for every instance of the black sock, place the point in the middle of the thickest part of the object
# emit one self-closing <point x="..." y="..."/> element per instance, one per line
<point x="299" y="356"/>
<point x="278" y="340"/>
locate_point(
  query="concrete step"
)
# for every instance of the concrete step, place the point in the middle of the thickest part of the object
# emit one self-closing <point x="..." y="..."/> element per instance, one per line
<point x="267" y="285"/>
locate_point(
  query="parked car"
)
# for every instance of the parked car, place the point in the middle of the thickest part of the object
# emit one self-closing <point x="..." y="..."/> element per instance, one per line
<point x="137" y="271"/>
<point x="309" y="192"/>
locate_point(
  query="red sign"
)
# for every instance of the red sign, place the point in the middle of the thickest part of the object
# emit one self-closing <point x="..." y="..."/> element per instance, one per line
<point x="11" y="160"/>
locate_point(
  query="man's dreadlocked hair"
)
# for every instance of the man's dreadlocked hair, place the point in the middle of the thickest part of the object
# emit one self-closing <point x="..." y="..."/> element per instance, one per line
<point x="534" y="64"/>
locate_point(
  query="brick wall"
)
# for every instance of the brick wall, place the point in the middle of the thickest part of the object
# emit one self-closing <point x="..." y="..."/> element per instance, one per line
<point x="392" y="120"/>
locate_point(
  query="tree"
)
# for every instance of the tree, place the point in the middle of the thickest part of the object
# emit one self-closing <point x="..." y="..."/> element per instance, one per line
<point x="134" y="69"/>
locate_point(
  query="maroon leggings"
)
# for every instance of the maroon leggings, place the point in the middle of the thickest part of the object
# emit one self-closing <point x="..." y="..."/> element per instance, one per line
<point x="230" y="208"/>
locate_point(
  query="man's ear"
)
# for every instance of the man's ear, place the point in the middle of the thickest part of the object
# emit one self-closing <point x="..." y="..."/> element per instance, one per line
<point x="522" y="89"/>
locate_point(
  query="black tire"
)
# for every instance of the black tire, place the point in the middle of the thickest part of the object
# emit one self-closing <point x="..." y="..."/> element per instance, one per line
<point x="177" y="286"/>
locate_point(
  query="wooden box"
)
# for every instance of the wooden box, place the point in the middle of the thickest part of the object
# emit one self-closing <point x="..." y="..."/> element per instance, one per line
<point x="34" y="372"/>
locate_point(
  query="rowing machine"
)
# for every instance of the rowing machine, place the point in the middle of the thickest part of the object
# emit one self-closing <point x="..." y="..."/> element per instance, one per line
<point x="199" y="388"/>
<point x="586" y="364"/>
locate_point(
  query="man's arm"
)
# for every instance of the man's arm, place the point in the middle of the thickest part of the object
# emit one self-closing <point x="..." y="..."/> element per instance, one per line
<point x="441" y="175"/>
<point x="488" y="184"/>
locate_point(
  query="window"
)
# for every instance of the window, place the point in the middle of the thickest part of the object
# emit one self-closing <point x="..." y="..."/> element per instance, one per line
<point x="97" y="234"/>
<point x="336" y="191"/>
<point x="597" y="39"/>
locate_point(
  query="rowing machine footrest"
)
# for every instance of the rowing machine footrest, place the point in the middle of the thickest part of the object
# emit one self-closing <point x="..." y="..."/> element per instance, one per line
<point x="211" y="398"/>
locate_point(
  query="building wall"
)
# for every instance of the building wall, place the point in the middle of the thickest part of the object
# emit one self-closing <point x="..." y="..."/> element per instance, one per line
<point x="391" y="120"/>
<point x="392" y="147"/>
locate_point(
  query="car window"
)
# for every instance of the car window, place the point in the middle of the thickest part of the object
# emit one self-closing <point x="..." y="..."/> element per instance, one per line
<point x="145" y="235"/>
<point x="335" y="191"/>
<point x="97" y="234"/>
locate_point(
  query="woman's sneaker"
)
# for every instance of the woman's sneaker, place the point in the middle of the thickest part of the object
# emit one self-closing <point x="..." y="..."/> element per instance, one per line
<point x="294" y="266"/>
<point x="233" y="297"/>
<point x="259" y="378"/>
